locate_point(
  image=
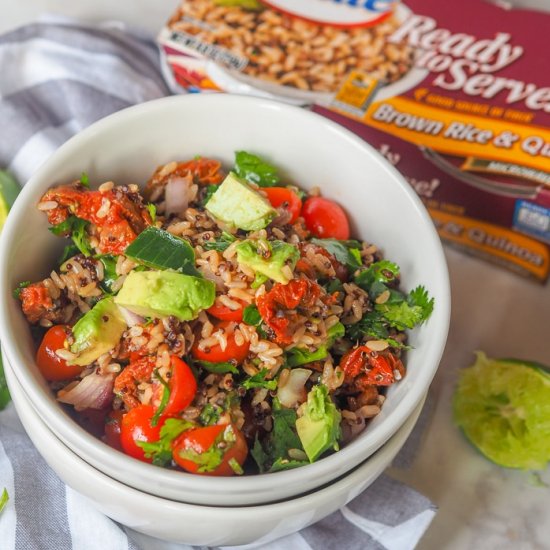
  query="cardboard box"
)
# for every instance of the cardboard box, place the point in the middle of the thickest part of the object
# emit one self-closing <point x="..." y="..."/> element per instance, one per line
<point x="455" y="94"/>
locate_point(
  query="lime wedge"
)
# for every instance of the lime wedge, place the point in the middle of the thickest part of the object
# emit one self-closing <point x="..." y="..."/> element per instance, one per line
<point x="503" y="407"/>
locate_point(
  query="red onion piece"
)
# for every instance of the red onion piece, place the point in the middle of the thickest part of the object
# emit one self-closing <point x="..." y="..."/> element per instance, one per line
<point x="177" y="194"/>
<point x="293" y="391"/>
<point x="130" y="317"/>
<point x="94" y="391"/>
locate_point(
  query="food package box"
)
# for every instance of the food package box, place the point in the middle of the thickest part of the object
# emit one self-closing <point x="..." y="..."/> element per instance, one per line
<point x="456" y="95"/>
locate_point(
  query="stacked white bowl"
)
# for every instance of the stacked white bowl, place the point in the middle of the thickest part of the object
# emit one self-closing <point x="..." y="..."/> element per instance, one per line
<point x="311" y="151"/>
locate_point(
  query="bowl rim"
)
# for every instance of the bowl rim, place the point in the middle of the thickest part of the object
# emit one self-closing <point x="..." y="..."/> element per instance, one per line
<point x="51" y="412"/>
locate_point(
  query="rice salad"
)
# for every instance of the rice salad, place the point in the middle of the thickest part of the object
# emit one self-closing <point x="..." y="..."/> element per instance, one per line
<point x="221" y="321"/>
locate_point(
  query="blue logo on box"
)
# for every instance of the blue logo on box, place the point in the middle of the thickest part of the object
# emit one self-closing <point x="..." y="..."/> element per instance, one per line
<point x="532" y="219"/>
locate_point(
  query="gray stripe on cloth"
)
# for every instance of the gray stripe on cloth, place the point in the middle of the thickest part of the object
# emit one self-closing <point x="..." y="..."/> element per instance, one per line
<point x="141" y="55"/>
<point x="373" y="504"/>
<point x="49" y="104"/>
<point x="335" y="533"/>
<point x="43" y="525"/>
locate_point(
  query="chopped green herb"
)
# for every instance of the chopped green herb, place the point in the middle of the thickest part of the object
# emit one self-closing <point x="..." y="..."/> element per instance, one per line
<point x="286" y="464"/>
<point x="152" y="209"/>
<point x="209" y="191"/>
<point x="109" y="271"/>
<point x="84" y="179"/>
<point x="210" y="414"/>
<point x="161" y="451"/>
<point x="346" y="252"/>
<point x="383" y="271"/>
<point x="159" y="249"/>
<point x="412" y="311"/>
<point x="301" y="356"/>
<point x="254" y="169"/>
<point x="68" y="252"/>
<point x="221" y="243"/>
<point x="4" y="498"/>
<point x="4" y="392"/>
<point x="259" y="381"/>
<point x="236" y="467"/>
<point x="76" y="229"/>
<point x="17" y="292"/>
<point x="218" y="368"/>
<point x="164" y="399"/>
<point x="259" y="455"/>
<point x="251" y="316"/>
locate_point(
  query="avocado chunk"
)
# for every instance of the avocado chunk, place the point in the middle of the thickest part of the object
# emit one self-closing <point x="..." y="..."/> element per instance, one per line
<point x="268" y="257"/>
<point x="97" y="332"/>
<point x="237" y="205"/>
<point x="163" y="293"/>
<point x="319" y="427"/>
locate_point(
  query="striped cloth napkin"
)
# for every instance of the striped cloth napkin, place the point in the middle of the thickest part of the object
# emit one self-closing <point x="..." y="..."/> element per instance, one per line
<point x="58" y="76"/>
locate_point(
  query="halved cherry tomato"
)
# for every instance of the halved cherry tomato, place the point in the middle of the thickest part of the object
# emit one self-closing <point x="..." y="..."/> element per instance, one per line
<point x="198" y="441"/>
<point x="223" y="313"/>
<point x="112" y="429"/>
<point x="136" y="426"/>
<point x="216" y="354"/>
<point x="325" y="219"/>
<point x="283" y="197"/>
<point x="183" y="387"/>
<point x="50" y="364"/>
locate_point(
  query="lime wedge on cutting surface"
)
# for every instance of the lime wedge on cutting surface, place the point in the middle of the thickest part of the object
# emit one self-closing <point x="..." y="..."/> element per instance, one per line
<point x="503" y="407"/>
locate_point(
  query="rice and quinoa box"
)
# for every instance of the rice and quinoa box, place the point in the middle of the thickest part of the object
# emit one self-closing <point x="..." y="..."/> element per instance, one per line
<point x="455" y="94"/>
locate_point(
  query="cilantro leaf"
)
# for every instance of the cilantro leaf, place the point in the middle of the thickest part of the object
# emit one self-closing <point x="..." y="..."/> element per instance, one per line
<point x="258" y="381"/>
<point x="259" y="455"/>
<point x="410" y="312"/>
<point x="346" y="252"/>
<point x="254" y="169"/>
<point x="221" y="243"/>
<point x="68" y="252"/>
<point x="161" y="451"/>
<point x="210" y="414"/>
<point x="285" y="464"/>
<point x="76" y="229"/>
<point x="84" y="180"/>
<point x="283" y="436"/>
<point x="251" y="316"/>
<point x="17" y="292"/>
<point x="301" y="356"/>
<point x="384" y="271"/>
<point x="109" y="271"/>
<point x="218" y="368"/>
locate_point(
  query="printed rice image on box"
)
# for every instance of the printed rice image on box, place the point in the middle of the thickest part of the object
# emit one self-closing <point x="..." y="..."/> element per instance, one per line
<point x="455" y="95"/>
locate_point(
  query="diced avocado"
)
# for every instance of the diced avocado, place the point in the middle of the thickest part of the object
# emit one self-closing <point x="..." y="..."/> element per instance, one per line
<point x="268" y="257"/>
<point x="319" y="427"/>
<point x="97" y="332"/>
<point x="237" y="204"/>
<point x="163" y="293"/>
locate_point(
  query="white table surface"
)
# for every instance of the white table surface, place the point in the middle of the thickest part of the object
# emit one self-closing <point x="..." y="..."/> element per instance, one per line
<point x="481" y="506"/>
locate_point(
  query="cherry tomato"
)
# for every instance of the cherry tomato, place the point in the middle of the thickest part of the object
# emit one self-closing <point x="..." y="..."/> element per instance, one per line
<point x="183" y="387"/>
<point x="325" y="219"/>
<point x="136" y="426"/>
<point x="223" y="313"/>
<point x="282" y="197"/>
<point x="216" y="354"/>
<point x="50" y="364"/>
<point x="200" y="440"/>
<point x="112" y="430"/>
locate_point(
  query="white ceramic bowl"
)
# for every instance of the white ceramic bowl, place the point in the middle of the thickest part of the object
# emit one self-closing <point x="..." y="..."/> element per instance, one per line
<point x="200" y="525"/>
<point x="311" y="150"/>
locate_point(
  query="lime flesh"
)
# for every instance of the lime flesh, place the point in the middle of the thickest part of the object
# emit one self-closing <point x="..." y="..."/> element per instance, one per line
<point x="503" y="407"/>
